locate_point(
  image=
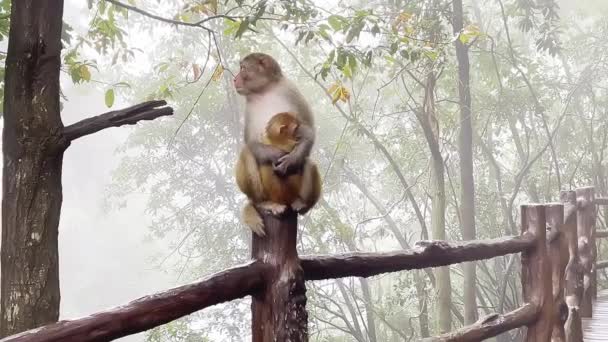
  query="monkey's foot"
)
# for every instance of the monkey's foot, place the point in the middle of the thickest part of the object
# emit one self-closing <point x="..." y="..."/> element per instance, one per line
<point x="299" y="206"/>
<point x="252" y="219"/>
<point x="274" y="208"/>
<point x="258" y="228"/>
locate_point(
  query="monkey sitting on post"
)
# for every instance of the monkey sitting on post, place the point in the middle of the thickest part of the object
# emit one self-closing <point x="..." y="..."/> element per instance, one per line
<point x="267" y="92"/>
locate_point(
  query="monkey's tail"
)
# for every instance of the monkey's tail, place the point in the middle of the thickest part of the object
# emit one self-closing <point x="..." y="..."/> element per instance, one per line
<point x="253" y="220"/>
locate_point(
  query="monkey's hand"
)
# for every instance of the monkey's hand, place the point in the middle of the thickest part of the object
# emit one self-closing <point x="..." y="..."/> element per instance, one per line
<point x="294" y="160"/>
<point x="265" y="154"/>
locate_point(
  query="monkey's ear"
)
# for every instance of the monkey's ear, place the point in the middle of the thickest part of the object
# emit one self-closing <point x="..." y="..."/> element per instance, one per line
<point x="282" y="129"/>
<point x="265" y="61"/>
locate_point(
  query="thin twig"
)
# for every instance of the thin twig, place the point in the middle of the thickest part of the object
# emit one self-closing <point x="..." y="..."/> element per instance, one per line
<point x="198" y="24"/>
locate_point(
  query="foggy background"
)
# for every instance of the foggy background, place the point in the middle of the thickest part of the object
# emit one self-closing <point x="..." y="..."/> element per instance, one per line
<point x="106" y="257"/>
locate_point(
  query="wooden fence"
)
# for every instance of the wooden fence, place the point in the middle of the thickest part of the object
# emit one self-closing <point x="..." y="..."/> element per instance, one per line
<point x="558" y="264"/>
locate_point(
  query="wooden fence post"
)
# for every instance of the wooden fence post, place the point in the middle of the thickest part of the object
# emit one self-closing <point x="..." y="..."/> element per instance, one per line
<point x="574" y="273"/>
<point x="536" y="273"/>
<point x="586" y="247"/>
<point x="279" y="310"/>
<point x="558" y="255"/>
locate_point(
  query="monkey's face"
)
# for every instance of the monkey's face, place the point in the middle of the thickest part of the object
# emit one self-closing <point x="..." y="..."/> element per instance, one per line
<point x="257" y="72"/>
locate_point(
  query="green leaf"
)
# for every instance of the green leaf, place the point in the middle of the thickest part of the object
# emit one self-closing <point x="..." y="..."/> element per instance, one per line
<point x="352" y="63"/>
<point x="335" y="22"/>
<point x="324" y="72"/>
<point x="331" y="56"/>
<point x="355" y="31"/>
<point x="300" y="36"/>
<point x="231" y="27"/>
<point x="394" y="47"/>
<point x="243" y="26"/>
<point x="310" y="36"/>
<point x="347" y="71"/>
<point x="341" y="59"/>
<point x="85" y="74"/>
<point x="375" y="30"/>
<point x="323" y="33"/>
<point x="109" y="98"/>
<point x="367" y="61"/>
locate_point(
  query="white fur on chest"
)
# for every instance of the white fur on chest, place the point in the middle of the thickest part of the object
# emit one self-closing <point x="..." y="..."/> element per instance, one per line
<point x="261" y="109"/>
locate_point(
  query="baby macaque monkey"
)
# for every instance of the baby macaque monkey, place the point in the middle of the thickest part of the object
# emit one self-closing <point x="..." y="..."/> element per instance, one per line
<point x="300" y="191"/>
<point x="267" y="92"/>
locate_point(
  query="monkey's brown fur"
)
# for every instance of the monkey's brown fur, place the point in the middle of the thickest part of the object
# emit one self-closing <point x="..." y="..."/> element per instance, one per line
<point x="267" y="92"/>
<point x="300" y="190"/>
<point x="287" y="190"/>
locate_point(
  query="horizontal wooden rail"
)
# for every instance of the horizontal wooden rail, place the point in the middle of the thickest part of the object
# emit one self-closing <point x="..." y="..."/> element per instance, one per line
<point x="151" y="311"/>
<point x="601" y="201"/>
<point x="601" y="264"/>
<point x="424" y="254"/>
<point x="491" y="325"/>
<point x="601" y="233"/>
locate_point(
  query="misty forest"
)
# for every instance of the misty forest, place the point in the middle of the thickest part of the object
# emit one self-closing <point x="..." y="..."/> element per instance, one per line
<point x="461" y="146"/>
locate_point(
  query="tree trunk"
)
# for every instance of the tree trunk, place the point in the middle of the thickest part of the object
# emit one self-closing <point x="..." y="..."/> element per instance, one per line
<point x="430" y="127"/>
<point x="33" y="146"/>
<point x="279" y="311"/>
<point x="467" y="187"/>
<point x="369" y="310"/>
<point x="423" y="316"/>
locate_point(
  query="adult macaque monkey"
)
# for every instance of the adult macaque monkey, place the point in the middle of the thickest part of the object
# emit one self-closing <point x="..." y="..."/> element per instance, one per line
<point x="267" y="92"/>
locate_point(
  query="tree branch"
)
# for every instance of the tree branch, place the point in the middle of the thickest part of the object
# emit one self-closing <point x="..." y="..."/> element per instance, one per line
<point x="151" y="311"/>
<point x="128" y="116"/>
<point x="424" y="254"/>
<point x="491" y="325"/>
<point x="198" y="24"/>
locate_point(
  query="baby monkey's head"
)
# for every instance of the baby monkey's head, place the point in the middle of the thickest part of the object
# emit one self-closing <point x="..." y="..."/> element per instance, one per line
<point x="281" y="129"/>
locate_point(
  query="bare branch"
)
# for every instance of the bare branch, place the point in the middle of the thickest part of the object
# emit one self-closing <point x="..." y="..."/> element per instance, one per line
<point x="198" y="24"/>
<point x="151" y="311"/>
<point x="424" y="254"/>
<point x="128" y="116"/>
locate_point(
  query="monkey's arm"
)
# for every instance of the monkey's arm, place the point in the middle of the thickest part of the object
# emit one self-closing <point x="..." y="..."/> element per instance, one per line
<point x="294" y="160"/>
<point x="265" y="154"/>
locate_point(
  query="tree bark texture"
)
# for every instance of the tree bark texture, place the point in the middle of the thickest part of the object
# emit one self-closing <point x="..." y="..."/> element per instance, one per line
<point x="573" y="291"/>
<point x="557" y="248"/>
<point x="33" y="146"/>
<point x="465" y="146"/>
<point x="424" y="254"/>
<point x="151" y="311"/>
<point x="279" y="309"/>
<point x="491" y="325"/>
<point x="586" y="247"/>
<point x="536" y="274"/>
